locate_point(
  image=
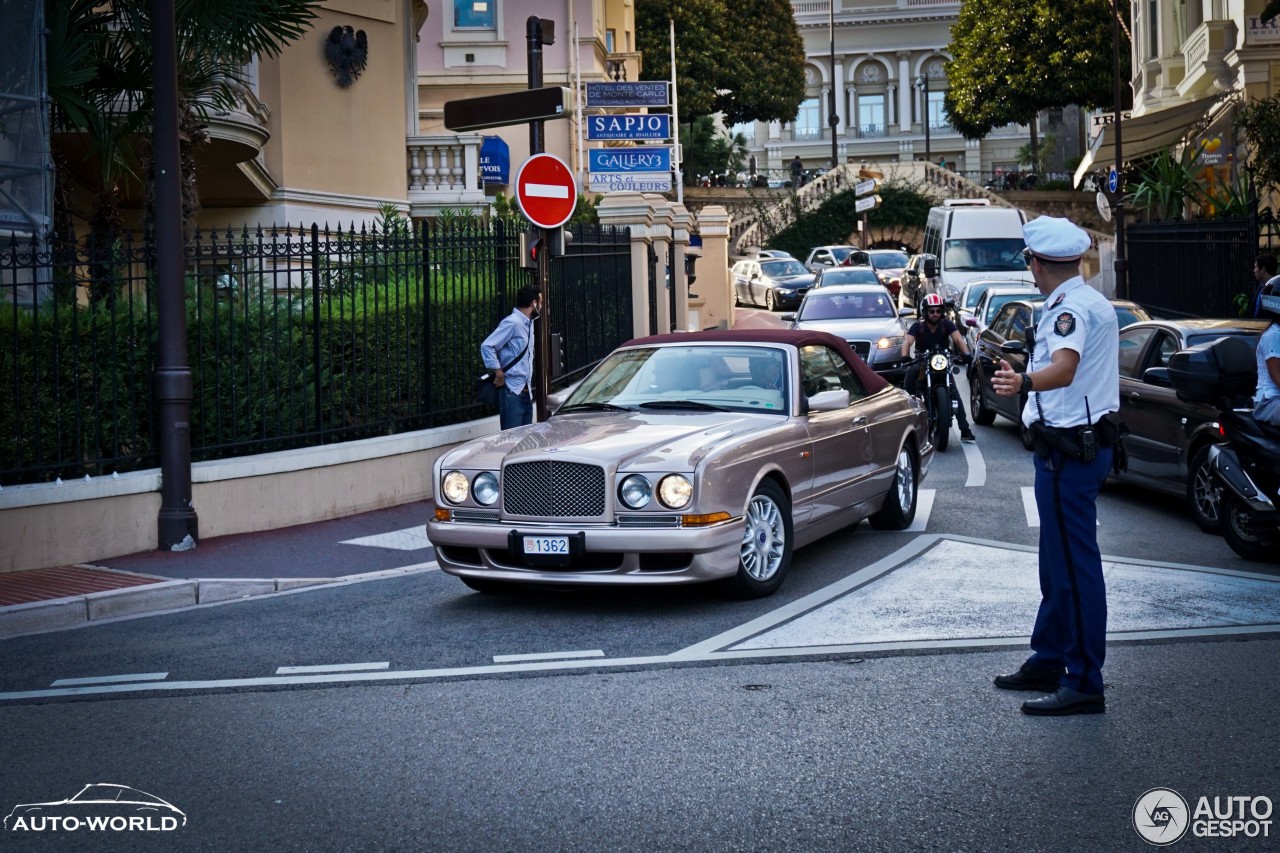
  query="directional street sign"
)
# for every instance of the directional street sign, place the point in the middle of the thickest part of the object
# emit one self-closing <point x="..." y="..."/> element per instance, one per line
<point x="1113" y="180"/>
<point x="631" y="126"/>
<point x="865" y="187"/>
<point x="511" y="108"/>
<point x="546" y="190"/>
<point x="865" y="203"/>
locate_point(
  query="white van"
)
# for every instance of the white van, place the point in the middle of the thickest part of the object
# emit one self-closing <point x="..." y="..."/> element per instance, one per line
<point x="972" y="240"/>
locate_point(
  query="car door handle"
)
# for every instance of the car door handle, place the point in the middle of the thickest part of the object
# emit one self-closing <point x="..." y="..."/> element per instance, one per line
<point x="861" y="421"/>
<point x="1134" y="396"/>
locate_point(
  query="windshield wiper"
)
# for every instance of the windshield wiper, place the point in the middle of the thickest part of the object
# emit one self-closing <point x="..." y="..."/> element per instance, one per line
<point x="594" y="407"/>
<point x="682" y="404"/>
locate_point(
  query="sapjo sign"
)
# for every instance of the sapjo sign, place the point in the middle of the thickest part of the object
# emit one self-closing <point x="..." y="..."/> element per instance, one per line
<point x="629" y="126"/>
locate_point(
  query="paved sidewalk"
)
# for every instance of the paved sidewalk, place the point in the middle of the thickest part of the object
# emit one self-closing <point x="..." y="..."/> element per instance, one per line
<point x="219" y="569"/>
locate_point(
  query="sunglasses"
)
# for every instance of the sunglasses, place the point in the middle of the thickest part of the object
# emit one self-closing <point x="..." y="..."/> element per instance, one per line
<point x="933" y="311"/>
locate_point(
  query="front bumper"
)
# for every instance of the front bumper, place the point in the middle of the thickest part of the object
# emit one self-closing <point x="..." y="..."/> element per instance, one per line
<point x="610" y="555"/>
<point x="894" y="371"/>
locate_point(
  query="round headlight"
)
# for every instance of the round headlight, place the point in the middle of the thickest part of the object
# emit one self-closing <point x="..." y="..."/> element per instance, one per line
<point x="938" y="362"/>
<point x="675" y="491"/>
<point x="455" y="487"/>
<point x="485" y="488"/>
<point x="635" y="491"/>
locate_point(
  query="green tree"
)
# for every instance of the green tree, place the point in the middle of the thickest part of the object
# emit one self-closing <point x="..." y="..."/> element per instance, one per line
<point x="1260" y="123"/>
<point x="710" y="151"/>
<point x="1014" y="58"/>
<point x="744" y="59"/>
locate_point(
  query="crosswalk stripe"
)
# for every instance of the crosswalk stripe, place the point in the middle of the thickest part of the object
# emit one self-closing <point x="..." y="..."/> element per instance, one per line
<point x="409" y="539"/>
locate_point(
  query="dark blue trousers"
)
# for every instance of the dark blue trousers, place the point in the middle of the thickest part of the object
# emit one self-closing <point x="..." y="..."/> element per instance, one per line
<point x="1071" y="626"/>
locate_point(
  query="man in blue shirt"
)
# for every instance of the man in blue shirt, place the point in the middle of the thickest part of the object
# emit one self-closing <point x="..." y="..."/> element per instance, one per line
<point x="508" y="352"/>
<point x="1266" y="402"/>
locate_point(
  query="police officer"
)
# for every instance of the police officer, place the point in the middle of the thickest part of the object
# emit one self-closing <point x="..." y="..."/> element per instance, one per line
<point x="1072" y="383"/>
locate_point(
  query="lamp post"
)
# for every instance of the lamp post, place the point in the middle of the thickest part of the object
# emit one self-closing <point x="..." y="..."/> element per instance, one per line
<point x="1121" y="261"/>
<point x="833" y="119"/>
<point x="922" y="83"/>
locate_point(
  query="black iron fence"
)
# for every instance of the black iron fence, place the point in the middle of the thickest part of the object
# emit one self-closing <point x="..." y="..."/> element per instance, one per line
<point x="296" y="337"/>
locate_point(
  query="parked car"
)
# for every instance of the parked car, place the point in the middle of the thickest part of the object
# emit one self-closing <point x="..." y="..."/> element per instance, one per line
<point x="829" y="276"/>
<point x="1129" y="313"/>
<point x="773" y="283"/>
<point x="684" y="458"/>
<point x="1169" y="440"/>
<point x="989" y="304"/>
<point x="971" y="294"/>
<point x="1010" y="324"/>
<point x="862" y="314"/>
<point x="834" y="256"/>
<point x="889" y="265"/>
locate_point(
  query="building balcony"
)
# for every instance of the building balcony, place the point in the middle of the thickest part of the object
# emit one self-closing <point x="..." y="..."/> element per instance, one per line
<point x="1204" y="56"/>
<point x="444" y="173"/>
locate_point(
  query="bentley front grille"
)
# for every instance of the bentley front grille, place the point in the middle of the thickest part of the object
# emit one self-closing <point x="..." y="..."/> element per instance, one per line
<point x="553" y="489"/>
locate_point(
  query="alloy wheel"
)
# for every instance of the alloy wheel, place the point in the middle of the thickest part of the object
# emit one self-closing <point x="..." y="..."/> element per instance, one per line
<point x="763" y="538"/>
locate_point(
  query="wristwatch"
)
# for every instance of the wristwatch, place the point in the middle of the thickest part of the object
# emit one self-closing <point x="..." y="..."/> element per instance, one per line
<point x="1026" y="383"/>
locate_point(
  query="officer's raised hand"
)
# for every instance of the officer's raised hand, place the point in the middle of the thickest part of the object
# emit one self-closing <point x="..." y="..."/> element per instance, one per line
<point x="1004" y="381"/>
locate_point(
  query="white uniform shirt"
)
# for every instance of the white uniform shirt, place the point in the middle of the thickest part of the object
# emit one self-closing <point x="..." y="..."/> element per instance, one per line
<point x="1079" y="318"/>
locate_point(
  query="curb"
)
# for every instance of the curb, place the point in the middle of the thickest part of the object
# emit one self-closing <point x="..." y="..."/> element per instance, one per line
<point x="56" y="614"/>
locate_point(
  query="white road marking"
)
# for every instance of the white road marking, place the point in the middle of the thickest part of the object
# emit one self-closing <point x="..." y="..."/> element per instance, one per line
<point x="1206" y="602"/>
<point x="972" y="455"/>
<point x="593" y="653"/>
<point x="546" y="190"/>
<point x="924" y="506"/>
<point x="333" y="667"/>
<point x="1031" y="508"/>
<point x="409" y="539"/>
<point x="111" y="679"/>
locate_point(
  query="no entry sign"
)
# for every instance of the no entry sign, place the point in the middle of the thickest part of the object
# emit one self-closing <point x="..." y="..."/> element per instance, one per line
<point x="546" y="190"/>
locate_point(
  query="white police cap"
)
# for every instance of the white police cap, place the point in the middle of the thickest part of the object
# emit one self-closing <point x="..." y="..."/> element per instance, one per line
<point x="1055" y="239"/>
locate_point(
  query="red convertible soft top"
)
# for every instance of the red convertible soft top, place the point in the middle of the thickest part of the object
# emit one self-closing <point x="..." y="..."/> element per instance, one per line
<point x="871" y="380"/>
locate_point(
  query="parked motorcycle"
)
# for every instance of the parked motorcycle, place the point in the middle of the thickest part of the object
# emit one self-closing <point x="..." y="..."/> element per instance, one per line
<point x="1246" y="466"/>
<point x="935" y="389"/>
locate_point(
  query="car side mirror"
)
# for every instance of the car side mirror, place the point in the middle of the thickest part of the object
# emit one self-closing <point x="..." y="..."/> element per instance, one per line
<point x="789" y="317"/>
<point x="906" y="312"/>
<point x="971" y="322"/>
<point x="930" y="268"/>
<point x="555" y="401"/>
<point x="829" y="401"/>
<point x="1013" y="348"/>
<point x="755" y="275"/>
<point x="1157" y="376"/>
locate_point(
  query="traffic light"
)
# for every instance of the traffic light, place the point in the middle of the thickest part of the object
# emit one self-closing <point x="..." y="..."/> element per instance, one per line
<point x="557" y="240"/>
<point x="556" y="364"/>
<point x="690" y="271"/>
<point x="530" y="246"/>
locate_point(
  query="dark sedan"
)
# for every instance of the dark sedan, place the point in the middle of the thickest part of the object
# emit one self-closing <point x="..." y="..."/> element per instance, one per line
<point x="775" y="284"/>
<point x="1169" y="440"/>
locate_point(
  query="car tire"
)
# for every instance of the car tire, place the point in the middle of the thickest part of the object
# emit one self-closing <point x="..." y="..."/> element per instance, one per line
<point x="1244" y="534"/>
<point x="767" y="541"/>
<point x="942" y="418"/>
<point x="1203" y="492"/>
<point x="982" y="415"/>
<point x="899" y="508"/>
<point x="488" y="586"/>
<point x="771" y="300"/>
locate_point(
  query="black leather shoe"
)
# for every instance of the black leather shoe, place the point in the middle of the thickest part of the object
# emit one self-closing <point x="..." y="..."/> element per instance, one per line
<point x="967" y="436"/>
<point x="1037" y="680"/>
<point x="1065" y="701"/>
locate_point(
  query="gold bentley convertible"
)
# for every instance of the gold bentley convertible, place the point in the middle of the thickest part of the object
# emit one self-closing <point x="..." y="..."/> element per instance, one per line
<point x="685" y="458"/>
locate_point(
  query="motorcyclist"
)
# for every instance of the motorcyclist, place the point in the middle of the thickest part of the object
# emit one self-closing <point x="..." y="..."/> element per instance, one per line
<point x="933" y="331"/>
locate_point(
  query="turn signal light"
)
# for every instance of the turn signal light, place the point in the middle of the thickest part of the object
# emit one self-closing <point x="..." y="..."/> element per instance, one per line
<point x="703" y="520"/>
<point x="443" y="514"/>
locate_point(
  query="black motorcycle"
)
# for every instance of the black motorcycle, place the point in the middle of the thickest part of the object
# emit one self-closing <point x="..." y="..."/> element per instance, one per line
<point x="934" y="388"/>
<point x="1246" y="466"/>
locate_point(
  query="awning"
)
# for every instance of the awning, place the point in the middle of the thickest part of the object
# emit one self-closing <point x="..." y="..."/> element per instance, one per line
<point x="1143" y="135"/>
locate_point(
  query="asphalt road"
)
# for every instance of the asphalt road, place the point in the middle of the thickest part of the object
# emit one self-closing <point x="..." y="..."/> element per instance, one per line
<point x="678" y="726"/>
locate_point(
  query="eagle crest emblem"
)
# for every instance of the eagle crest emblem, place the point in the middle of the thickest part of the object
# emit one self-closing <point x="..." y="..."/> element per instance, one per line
<point x="346" y="51"/>
<point x="1065" y="324"/>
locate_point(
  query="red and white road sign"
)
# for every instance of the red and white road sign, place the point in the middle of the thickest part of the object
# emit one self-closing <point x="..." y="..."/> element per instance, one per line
<point x="546" y="190"/>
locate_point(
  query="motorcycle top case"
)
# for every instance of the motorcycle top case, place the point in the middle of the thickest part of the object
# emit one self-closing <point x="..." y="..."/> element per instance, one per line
<point x="1206" y="373"/>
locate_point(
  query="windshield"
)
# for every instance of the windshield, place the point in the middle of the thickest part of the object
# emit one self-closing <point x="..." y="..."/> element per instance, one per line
<point x="781" y="269"/>
<point x="999" y="300"/>
<point x="888" y="260"/>
<point x="742" y="377"/>
<point x="845" y="306"/>
<point x="842" y="253"/>
<point x="1127" y="316"/>
<point x="1002" y="254"/>
<point x="973" y="295"/>
<point x="847" y="276"/>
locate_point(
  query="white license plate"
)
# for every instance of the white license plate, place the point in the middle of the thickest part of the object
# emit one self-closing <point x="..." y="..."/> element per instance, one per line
<point x="546" y="544"/>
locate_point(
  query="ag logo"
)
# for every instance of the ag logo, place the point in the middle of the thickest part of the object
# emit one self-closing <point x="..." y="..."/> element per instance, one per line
<point x="1160" y="816"/>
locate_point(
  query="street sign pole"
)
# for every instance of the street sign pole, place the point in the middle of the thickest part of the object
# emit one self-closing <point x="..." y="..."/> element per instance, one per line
<point x="1121" y="260"/>
<point x="537" y="33"/>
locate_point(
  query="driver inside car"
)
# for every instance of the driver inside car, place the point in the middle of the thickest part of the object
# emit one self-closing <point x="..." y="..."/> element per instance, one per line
<point x="935" y="332"/>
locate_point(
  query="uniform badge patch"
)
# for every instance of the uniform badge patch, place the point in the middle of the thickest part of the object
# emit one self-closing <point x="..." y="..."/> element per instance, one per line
<point x="1065" y="324"/>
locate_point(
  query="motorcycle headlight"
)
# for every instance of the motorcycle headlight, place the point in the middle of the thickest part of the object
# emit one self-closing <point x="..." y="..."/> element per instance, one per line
<point x="635" y="491"/>
<point x="485" y="488"/>
<point x="891" y="343"/>
<point x="938" y="362"/>
<point x="455" y="487"/>
<point x="675" y="491"/>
